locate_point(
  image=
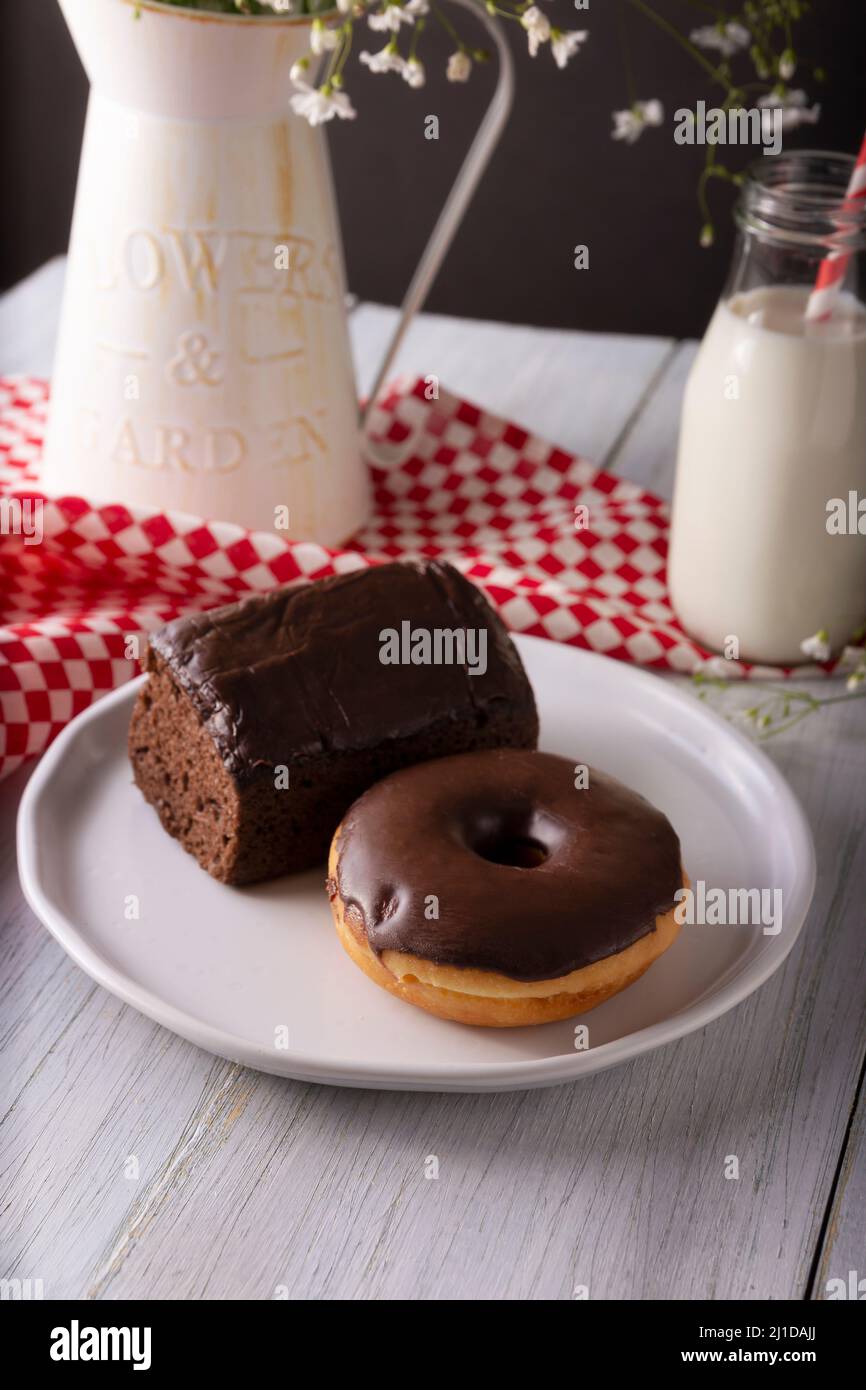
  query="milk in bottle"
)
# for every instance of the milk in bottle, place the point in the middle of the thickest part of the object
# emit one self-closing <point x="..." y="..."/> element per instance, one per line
<point x="765" y="545"/>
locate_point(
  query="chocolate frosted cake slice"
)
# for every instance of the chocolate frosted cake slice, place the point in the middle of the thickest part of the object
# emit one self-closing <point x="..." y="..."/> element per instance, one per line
<point x="260" y="723"/>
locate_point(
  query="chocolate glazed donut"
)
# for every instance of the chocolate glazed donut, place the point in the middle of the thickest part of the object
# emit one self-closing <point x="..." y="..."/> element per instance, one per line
<point x="489" y="888"/>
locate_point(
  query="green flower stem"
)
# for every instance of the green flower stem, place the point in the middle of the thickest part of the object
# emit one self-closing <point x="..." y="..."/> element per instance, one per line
<point x="343" y="50"/>
<point x="416" y="34"/>
<point x="769" y="24"/>
<point x="674" y="33"/>
<point x="509" y="14"/>
<point x="810" y="709"/>
<point x="448" y="27"/>
<point x="705" y="175"/>
<point x="809" y="702"/>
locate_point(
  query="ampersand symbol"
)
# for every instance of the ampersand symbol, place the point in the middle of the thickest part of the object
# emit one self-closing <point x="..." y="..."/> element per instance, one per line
<point x="194" y="363"/>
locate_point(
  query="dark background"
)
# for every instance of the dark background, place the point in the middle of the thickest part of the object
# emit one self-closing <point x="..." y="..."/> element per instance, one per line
<point x="557" y="179"/>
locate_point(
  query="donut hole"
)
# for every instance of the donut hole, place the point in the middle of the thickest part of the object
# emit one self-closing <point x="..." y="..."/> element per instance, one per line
<point x="516" y="835"/>
<point x="514" y="851"/>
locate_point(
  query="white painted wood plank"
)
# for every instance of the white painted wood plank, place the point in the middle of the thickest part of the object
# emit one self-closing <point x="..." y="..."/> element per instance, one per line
<point x="843" y="1252"/>
<point x="29" y="318"/>
<point x="86" y="1084"/>
<point x="647" y="451"/>
<point x="249" y="1183"/>
<point x="107" y="1088"/>
<point x="576" y="390"/>
<point x="616" y="1182"/>
<point x="41" y="991"/>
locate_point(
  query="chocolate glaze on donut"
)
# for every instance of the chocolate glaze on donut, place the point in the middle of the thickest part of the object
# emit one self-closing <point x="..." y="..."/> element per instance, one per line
<point x="534" y="878"/>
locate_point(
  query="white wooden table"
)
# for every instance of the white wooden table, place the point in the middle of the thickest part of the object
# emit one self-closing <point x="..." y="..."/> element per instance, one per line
<point x="250" y="1186"/>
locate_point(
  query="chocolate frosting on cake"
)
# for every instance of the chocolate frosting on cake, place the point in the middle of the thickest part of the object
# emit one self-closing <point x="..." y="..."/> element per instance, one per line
<point x="533" y="878"/>
<point x="298" y="672"/>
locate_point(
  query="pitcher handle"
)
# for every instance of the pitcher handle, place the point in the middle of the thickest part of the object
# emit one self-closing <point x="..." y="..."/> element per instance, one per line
<point x="458" y="199"/>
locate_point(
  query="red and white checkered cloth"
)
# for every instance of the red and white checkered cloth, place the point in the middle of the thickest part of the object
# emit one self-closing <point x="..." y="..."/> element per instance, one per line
<point x="450" y="480"/>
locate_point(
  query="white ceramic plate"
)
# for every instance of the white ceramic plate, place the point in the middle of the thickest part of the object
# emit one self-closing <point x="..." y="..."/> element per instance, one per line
<point x="227" y="968"/>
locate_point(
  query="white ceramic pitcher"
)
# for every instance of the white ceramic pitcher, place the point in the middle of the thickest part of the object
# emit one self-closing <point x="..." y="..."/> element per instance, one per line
<point x="203" y="363"/>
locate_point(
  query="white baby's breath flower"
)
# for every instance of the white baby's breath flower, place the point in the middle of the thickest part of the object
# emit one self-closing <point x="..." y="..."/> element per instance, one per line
<point x="386" y="60"/>
<point x="322" y="38"/>
<point x="854" y="657"/>
<point x="459" y="67"/>
<point x="537" y="26"/>
<point x="320" y="104"/>
<point x="787" y="65"/>
<point x="392" y="16"/>
<point x="297" y="70"/>
<point x="652" y="111"/>
<point x="817" y="646"/>
<point x="794" y="108"/>
<point x="565" y="45"/>
<point x="414" y="73"/>
<point x="628" y="125"/>
<point x="727" y="39"/>
<point x="715" y="668"/>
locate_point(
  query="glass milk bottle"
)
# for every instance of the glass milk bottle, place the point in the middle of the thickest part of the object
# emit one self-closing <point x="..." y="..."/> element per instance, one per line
<point x="771" y="471"/>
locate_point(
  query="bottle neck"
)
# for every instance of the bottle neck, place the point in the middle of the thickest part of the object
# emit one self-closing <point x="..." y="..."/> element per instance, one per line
<point x="794" y="213"/>
<point x="761" y="264"/>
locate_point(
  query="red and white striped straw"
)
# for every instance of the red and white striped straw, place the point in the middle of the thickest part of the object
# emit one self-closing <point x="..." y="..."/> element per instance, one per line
<point x="833" y="268"/>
